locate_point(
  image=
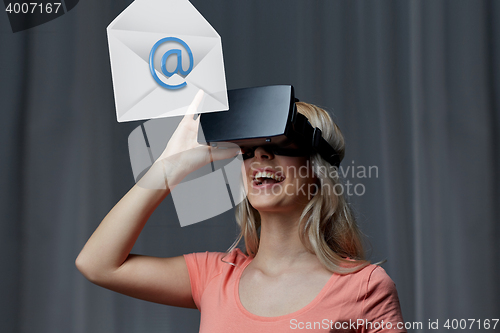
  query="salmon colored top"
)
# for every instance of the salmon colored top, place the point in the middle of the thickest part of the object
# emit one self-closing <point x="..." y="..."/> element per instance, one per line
<point x="365" y="301"/>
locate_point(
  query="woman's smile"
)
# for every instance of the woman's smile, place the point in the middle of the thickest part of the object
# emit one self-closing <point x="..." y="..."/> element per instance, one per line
<point x="264" y="178"/>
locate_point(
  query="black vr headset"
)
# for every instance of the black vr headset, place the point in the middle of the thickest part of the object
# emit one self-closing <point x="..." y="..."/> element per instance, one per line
<point x="265" y="117"/>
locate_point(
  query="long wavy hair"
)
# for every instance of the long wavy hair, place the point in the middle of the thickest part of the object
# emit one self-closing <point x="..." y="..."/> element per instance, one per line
<point x="327" y="226"/>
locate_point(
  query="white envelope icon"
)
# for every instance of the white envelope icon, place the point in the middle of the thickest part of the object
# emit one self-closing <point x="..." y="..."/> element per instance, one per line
<point x="131" y="38"/>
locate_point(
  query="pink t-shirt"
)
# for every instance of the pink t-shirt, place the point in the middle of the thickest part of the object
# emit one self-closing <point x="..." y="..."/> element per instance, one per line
<point x="365" y="301"/>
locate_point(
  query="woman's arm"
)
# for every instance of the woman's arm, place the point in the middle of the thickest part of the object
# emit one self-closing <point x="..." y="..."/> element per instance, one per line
<point x="106" y="260"/>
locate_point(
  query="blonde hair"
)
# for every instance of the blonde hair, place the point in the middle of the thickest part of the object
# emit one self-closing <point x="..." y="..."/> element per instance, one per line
<point x="327" y="226"/>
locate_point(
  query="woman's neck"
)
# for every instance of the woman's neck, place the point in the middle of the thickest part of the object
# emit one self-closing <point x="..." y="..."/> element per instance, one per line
<point x="280" y="247"/>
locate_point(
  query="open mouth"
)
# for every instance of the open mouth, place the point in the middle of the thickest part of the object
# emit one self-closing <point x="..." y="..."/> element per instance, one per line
<point x="262" y="178"/>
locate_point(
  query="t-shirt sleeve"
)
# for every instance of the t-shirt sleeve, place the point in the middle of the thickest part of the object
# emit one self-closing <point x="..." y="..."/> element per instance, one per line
<point x="381" y="304"/>
<point x="202" y="268"/>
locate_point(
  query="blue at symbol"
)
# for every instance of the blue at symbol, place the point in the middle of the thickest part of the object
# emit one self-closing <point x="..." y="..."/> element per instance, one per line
<point x="164" y="62"/>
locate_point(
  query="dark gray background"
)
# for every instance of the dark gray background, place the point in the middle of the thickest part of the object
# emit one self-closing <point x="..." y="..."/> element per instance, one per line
<point x="414" y="85"/>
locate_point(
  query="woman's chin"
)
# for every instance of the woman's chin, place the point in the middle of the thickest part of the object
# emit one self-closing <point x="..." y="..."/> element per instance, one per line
<point x="264" y="203"/>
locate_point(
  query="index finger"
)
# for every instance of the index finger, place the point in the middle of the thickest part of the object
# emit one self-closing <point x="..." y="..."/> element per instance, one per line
<point x="193" y="107"/>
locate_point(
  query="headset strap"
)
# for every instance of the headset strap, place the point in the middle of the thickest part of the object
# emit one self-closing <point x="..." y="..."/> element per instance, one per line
<point x="311" y="137"/>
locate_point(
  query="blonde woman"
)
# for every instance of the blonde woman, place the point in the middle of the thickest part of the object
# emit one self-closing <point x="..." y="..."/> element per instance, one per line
<point x="303" y="268"/>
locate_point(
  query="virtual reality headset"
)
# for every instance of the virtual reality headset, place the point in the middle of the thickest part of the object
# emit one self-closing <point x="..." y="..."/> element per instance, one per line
<point x="265" y="117"/>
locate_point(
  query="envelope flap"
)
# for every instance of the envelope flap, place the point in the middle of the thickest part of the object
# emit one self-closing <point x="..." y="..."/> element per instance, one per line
<point x="156" y="16"/>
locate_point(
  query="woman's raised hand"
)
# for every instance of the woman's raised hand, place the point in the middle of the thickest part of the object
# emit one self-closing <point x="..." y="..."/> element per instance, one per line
<point x="183" y="153"/>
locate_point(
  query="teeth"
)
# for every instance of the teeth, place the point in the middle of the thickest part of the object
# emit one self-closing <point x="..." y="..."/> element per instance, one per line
<point x="259" y="175"/>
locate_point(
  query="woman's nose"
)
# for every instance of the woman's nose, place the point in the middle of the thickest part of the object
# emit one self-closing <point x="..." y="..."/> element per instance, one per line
<point x="262" y="153"/>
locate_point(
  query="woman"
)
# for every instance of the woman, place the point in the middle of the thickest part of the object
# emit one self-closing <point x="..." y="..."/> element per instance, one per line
<point x="304" y="267"/>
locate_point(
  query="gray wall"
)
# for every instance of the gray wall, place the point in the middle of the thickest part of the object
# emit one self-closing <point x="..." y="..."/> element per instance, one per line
<point x="414" y="86"/>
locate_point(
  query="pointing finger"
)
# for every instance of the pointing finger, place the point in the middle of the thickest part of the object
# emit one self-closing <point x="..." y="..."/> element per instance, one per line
<point x="193" y="107"/>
